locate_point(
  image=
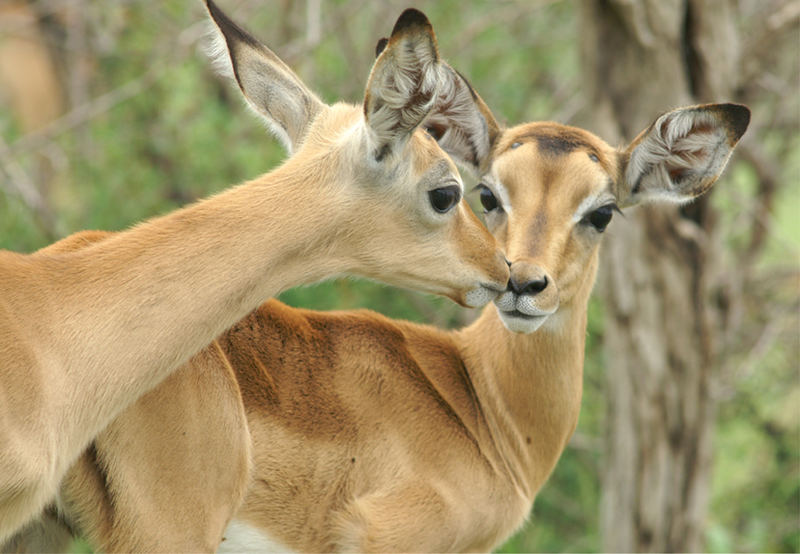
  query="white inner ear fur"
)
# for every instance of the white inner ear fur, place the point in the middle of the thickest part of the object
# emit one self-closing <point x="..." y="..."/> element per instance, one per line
<point x="403" y="74"/>
<point x="689" y="144"/>
<point x="216" y="48"/>
<point x="466" y="134"/>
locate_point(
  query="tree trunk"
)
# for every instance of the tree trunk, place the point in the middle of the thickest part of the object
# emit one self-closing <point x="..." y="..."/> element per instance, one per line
<point x="642" y="58"/>
<point x="31" y="90"/>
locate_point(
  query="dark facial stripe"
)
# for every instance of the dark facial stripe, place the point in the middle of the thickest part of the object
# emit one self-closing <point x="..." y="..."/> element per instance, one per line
<point x="555" y="140"/>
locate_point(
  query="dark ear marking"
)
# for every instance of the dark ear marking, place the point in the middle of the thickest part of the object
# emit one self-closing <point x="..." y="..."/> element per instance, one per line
<point x="469" y="85"/>
<point x="637" y="186"/>
<point x="230" y="30"/>
<point x="682" y="153"/>
<point x="381" y="46"/>
<point x="267" y="83"/>
<point x="738" y="117"/>
<point x="403" y="83"/>
<point x="383" y="152"/>
<point x="435" y="131"/>
<point x="409" y="19"/>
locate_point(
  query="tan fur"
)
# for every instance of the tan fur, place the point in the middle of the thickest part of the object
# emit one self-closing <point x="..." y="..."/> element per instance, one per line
<point x="376" y="435"/>
<point x="85" y="333"/>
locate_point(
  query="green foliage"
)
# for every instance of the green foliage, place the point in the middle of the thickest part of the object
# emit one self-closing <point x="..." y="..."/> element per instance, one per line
<point x="756" y="483"/>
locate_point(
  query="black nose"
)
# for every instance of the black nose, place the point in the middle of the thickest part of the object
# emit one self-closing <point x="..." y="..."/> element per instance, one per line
<point x="534" y="286"/>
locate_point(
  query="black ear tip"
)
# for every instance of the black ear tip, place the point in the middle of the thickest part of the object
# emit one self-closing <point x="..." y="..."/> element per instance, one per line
<point x="381" y="46"/>
<point x="218" y="16"/>
<point x="213" y="9"/>
<point x="409" y="19"/>
<point x="738" y="116"/>
<point x="229" y="29"/>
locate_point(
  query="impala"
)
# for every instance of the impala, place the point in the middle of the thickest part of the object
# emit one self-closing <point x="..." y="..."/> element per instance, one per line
<point x="84" y="334"/>
<point x="368" y="434"/>
<point x="376" y="435"/>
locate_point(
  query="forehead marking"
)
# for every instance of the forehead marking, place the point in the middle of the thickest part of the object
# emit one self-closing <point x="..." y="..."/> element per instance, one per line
<point x="557" y="143"/>
<point x="556" y="140"/>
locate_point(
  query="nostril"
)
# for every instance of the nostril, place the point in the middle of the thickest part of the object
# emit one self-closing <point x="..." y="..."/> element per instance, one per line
<point x="534" y="287"/>
<point x="508" y="262"/>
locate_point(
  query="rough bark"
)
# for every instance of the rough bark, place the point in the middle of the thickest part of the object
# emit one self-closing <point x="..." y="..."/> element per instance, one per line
<point x="642" y="58"/>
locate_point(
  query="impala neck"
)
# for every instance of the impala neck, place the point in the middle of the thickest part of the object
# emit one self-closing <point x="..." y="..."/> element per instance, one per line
<point x="529" y="388"/>
<point x="163" y="290"/>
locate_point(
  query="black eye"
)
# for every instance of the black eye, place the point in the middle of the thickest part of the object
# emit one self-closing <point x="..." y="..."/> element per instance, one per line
<point x="443" y="199"/>
<point x="488" y="199"/>
<point x="600" y="218"/>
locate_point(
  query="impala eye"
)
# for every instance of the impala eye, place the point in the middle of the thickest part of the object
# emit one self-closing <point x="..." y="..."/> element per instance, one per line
<point x="443" y="199"/>
<point x="600" y="218"/>
<point x="488" y="199"/>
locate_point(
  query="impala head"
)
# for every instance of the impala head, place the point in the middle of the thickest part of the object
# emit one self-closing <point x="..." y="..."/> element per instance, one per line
<point x="397" y="194"/>
<point x="551" y="190"/>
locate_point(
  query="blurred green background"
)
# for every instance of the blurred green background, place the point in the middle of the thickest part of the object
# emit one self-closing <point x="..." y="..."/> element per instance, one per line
<point x="141" y="125"/>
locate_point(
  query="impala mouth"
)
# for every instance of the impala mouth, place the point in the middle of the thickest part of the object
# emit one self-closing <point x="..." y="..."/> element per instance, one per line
<point x="519" y="322"/>
<point x="481" y="295"/>
<point x="514" y="319"/>
<point x="520" y="315"/>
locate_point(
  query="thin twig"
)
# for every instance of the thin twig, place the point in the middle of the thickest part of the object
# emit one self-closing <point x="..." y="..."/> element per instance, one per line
<point x="21" y="185"/>
<point x="85" y="112"/>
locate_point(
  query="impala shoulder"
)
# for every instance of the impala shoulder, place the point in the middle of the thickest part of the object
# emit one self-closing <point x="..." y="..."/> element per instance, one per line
<point x="74" y="242"/>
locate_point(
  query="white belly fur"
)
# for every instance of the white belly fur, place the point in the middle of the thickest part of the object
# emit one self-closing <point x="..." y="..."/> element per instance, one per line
<point x="243" y="537"/>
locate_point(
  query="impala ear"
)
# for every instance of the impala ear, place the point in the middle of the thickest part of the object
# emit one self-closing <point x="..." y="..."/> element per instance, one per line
<point x="270" y="87"/>
<point x="381" y="46"/>
<point x="681" y="155"/>
<point x="462" y="123"/>
<point x="402" y="84"/>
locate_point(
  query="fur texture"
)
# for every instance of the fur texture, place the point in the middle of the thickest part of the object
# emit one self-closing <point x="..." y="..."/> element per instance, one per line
<point x="376" y="435"/>
<point x="85" y="334"/>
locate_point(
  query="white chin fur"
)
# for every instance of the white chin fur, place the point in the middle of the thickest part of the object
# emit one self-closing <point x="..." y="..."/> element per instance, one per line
<point x="479" y="297"/>
<point x="506" y="301"/>
<point x="519" y="313"/>
<point x="517" y="324"/>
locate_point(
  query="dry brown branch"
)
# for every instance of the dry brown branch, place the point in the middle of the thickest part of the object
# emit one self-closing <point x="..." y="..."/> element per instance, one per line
<point x="762" y="47"/>
<point x="85" y="112"/>
<point x="786" y="16"/>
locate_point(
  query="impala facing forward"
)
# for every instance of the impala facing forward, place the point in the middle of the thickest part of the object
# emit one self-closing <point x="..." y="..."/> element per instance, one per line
<point x="384" y="436"/>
